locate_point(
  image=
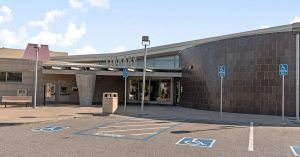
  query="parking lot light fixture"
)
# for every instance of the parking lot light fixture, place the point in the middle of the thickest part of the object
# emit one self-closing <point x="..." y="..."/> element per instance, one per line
<point x="36" y="47"/>
<point x="145" y="43"/>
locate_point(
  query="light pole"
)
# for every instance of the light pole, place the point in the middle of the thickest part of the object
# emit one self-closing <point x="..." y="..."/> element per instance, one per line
<point x="36" y="46"/>
<point x="145" y="42"/>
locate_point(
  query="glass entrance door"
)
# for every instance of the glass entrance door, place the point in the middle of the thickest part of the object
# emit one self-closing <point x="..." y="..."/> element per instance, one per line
<point x="156" y="90"/>
<point x="146" y="94"/>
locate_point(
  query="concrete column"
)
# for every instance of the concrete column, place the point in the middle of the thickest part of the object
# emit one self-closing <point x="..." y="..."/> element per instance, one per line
<point x="86" y="85"/>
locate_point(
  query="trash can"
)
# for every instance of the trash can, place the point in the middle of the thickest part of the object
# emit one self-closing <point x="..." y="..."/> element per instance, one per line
<point x="109" y="102"/>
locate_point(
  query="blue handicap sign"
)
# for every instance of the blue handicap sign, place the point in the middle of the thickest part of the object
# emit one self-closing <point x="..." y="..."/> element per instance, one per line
<point x="50" y="128"/>
<point x="221" y="71"/>
<point x="125" y="72"/>
<point x="283" y="69"/>
<point x="197" y="142"/>
<point x="295" y="150"/>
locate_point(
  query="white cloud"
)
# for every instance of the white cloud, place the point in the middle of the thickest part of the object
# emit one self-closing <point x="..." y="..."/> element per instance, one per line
<point x="6" y="14"/>
<point x="99" y="3"/>
<point x="48" y="38"/>
<point x="296" y="19"/>
<point x="71" y="36"/>
<point x="50" y="17"/>
<point x="81" y="4"/>
<point x="263" y="27"/>
<point x="9" y="38"/>
<point x="74" y="34"/>
<point x="87" y="49"/>
<point x="119" y="49"/>
<point x="76" y="4"/>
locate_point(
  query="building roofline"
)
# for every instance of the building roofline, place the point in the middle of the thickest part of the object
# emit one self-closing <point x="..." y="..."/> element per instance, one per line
<point x="177" y="47"/>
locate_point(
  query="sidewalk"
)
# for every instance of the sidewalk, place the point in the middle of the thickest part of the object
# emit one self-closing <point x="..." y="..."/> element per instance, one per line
<point x="20" y="115"/>
<point x="194" y="115"/>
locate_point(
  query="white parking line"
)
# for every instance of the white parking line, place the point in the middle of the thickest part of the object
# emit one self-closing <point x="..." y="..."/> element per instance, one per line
<point x="124" y="130"/>
<point x="150" y="133"/>
<point x="120" y="126"/>
<point x="154" y="121"/>
<point x="250" y="147"/>
<point x="142" y="119"/>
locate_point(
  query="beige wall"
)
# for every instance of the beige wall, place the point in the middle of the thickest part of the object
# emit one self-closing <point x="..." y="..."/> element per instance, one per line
<point x="17" y="65"/>
<point x="68" y="81"/>
<point x="103" y="83"/>
<point x="26" y="67"/>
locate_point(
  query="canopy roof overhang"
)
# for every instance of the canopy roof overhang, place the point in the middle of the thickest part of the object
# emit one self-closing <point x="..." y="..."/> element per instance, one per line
<point x="69" y="68"/>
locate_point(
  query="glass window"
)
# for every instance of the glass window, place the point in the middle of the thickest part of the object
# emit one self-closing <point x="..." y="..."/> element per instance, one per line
<point x="177" y="64"/>
<point x="146" y="94"/>
<point x="140" y="64"/>
<point x="2" y="76"/>
<point x="165" y="58"/>
<point x="150" y="63"/>
<point x="14" y="77"/>
<point x="133" y="90"/>
<point x="164" y="64"/>
<point x="160" y="62"/>
<point x="165" y="89"/>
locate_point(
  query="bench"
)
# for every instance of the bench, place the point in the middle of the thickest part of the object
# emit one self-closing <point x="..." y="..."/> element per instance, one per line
<point x="17" y="99"/>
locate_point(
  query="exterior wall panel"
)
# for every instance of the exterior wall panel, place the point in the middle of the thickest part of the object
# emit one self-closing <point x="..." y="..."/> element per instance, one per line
<point x="113" y="84"/>
<point x="252" y="83"/>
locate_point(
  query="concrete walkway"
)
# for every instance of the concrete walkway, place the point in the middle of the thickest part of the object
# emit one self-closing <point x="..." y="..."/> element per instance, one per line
<point x="194" y="115"/>
<point x="21" y="115"/>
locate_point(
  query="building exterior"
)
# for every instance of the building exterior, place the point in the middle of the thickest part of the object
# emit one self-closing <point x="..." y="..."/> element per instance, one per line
<point x="182" y="74"/>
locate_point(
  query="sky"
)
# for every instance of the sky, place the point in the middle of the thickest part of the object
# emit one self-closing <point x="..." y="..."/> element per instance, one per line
<point x="105" y="26"/>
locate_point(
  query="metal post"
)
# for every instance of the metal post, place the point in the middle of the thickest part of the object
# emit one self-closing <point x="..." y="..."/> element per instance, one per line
<point x="221" y="103"/>
<point x="36" y="76"/>
<point x="282" y="104"/>
<point x="297" y="77"/>
<point x="144" y="77"/>
<point x="44" y="95"/>
<point x="125" y="94"/>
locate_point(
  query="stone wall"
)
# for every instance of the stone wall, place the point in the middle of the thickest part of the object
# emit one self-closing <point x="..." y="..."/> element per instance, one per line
<point x="252" y="83"/>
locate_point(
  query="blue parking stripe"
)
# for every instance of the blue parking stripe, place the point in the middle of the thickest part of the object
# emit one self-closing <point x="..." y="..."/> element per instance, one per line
<point x="82" y="132"/>
<point x="159" y="132"/>
<point x="103" y="125"/>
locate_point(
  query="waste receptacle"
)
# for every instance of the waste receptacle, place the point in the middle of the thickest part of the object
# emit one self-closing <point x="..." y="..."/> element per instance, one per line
<point x="109" y="102"/>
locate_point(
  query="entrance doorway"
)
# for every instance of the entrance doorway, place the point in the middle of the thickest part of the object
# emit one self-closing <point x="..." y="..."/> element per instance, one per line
<point x="157" y="91"/>
<point x="154" y="90"/>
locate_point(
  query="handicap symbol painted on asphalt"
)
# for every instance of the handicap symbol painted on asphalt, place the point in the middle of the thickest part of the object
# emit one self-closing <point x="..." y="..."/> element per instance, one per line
<point x="50" y="128"/>
<point x="197" y="142"/>
<point x="295" y="150"/>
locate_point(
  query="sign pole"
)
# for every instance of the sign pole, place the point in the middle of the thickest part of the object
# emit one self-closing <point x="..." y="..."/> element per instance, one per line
<point x="221" y="74"/>
<point x="221" y="103"/>
<point x="125" y="75"/>
<point x="283" y="70"/>
<point x="125" y="94"/>
<point x="282" y="98"/>
<point x="297" y="76"/>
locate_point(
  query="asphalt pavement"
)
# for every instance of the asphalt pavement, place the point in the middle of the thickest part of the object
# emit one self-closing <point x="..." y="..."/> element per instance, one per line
<point x="117" y="135"/>
<point x="160" y="131"/>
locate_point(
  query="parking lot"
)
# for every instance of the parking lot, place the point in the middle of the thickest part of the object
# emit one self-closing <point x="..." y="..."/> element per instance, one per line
<point x="145" y="136"/>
